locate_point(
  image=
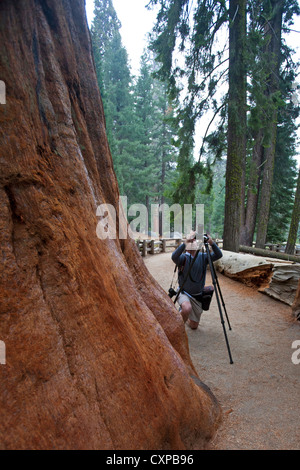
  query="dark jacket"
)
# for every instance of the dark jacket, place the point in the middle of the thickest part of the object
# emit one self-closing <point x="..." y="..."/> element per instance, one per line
<point x="196" y="280"/>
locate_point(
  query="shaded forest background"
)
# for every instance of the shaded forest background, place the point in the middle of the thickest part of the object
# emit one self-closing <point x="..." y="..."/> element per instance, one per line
<point x="222" y="67"/>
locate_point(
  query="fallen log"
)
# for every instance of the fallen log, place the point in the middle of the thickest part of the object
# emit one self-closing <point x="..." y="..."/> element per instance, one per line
<point x="296" y="303"/>
<point x="269" y="253"/>
<point x="277" y="279"/>
<point x="248" y="269"/>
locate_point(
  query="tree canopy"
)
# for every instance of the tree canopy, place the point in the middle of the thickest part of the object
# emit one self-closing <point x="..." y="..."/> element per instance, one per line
<point x="221" y="69"/>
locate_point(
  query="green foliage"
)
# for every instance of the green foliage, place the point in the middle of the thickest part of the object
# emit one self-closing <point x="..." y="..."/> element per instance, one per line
<point x="192" y="81"/>
<point x="152" y="121"/>
<point x="138" y="116"/>
<point x="263" y="103"/>
<point x="285" y="171"/>
<point x="214" y="199"/>
<point x="104" y="28"/>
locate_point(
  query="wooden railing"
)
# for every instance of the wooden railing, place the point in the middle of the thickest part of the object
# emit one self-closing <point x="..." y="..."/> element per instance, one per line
<point x="153" y="247"/>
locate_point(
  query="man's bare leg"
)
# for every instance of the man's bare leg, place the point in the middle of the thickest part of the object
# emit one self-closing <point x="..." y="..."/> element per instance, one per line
<point x="186" y="309"/>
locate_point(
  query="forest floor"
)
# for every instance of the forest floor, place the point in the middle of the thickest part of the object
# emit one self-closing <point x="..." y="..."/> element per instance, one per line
<point x="260" y="392"/>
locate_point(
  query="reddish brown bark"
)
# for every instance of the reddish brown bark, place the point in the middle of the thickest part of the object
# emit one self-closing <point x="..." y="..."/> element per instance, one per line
<point x="97" y="356"/>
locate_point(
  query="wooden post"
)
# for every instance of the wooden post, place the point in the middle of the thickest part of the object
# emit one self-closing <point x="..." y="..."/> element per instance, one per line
<point x="144" y="248"/>
<point x="164" y="244"/>
<point x="152" y="247"/>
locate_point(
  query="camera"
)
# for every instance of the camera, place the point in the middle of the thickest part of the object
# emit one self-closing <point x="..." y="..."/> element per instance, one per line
<point x="205" y="237"/>
<point x="172" y="292"/>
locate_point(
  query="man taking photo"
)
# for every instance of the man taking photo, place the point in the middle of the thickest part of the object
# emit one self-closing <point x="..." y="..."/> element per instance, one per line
<point x="192" y="273"/>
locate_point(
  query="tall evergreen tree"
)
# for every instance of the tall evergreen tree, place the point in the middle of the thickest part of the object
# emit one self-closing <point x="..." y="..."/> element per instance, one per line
<point x="192" y="29"/>
<point x="202" y="60"/>
<point x="285" y="165"/>
<point x="213" y="200"/>
<point x="138" y="130"/>
<point x="269" y="106"/>
<point x="236" y="140"/>
<point x="156" y="153"/>
<point x="120" y="118"/>
<point x="292" y="238"/>
<point x="273" y="31"/>
<point x="104" y="28"/>
<point x="146" y="168"/>
<point x="115" y="82"/>
<point x="193" y="81"/>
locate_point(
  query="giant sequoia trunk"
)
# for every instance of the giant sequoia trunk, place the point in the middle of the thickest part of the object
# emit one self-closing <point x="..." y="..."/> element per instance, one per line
<point x="96" y="354"/>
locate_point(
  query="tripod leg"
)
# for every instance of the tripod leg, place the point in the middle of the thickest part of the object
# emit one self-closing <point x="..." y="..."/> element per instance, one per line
<point x="218" y="301"/>
<point x="222" y="300"/>
<point x="224" y="329"/>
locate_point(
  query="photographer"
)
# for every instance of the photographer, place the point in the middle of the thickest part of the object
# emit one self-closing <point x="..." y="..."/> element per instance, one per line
<point x="191" y="309"/>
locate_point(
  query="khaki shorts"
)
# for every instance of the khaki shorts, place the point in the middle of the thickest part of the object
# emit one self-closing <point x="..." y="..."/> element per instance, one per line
<point x="196" y="307"/>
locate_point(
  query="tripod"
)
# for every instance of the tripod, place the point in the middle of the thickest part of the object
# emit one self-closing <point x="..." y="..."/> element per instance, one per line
<point x="218" y="296"/>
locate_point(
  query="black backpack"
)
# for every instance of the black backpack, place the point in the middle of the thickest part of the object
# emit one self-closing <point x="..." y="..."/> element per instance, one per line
<point x="205" y="297"/>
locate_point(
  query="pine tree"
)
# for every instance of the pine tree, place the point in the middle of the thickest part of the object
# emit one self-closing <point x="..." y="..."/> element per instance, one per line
<point x="213" y="199"/>
<point x="115" y="83"/>
<point x="193" y="81"/>
<point x="155" y="151"/>
<point x="273" y="31"/>
<point x="139" y="135"/>
<point x="119" y="112"/>
<point x="236" y="140"/>
<point x="199" y="78"/>
<point x="269" y="103"/>
<point x="285" y="166"/>
<point x="146" y="169"/>
<point x="290" y="247"/>
<point x="105" y="26"/>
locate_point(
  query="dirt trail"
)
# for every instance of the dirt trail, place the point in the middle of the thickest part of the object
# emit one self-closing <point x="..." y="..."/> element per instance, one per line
<point x="260" y="392"/>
